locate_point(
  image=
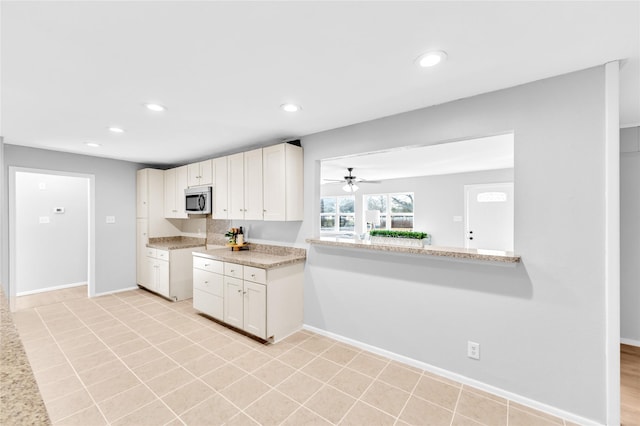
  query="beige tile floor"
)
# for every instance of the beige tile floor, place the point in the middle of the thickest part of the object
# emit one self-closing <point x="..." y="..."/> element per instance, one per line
<point x="135" y="359"/>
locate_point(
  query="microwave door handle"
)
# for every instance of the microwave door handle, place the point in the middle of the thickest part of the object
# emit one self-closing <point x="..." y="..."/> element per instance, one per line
<point x="201" y="202"/>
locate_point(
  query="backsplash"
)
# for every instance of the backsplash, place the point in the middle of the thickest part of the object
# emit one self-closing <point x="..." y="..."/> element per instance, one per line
<point x="216" y="228"/>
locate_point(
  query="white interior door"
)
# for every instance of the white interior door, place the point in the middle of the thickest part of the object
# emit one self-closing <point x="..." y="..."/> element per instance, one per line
<point x="489" y="216"/>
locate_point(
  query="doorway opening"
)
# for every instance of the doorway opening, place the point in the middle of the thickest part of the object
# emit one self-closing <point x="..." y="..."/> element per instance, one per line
<point x="51" y="238"/>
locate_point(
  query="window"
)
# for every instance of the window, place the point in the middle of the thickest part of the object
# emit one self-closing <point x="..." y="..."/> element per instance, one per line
<point x="337" y="214"/>
<point x="396" y="210"/>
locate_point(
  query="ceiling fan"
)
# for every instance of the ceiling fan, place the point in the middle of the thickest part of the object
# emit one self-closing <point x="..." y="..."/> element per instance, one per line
<point x="350" y="181"/>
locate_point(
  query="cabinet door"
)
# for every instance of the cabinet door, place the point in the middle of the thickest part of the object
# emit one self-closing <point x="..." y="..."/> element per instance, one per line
<point x="170" y="210"/>
<point x="193" y="174"/>
<point x="150" y="274"/>
<point x="236" y="186"/>
<point x="253" y="203"/>
<point x="206" y="172"/>
<point x="142" y="238"/>
<point x="255" y="309"/>
<point x="273" y="160"/>
<point x="162" y="278"/>
<point x="142" y="197"/>
<point x="181" y="185"/>
<point x="233" y="301"/>
<point x="220" y="190"/>
<point x="208" y="303"/>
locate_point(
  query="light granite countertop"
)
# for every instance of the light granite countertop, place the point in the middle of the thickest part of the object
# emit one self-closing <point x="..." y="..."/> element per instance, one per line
<point x="259" y="256"/>
<point x="176" y="243"/>
<point x="451" y="252"/>
<point x="20" y="399"/>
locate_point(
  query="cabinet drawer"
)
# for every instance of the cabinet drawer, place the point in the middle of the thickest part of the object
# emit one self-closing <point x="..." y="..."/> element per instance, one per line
<point x="208" y="281"/>
<point x="256" y="275"/>
<point x="151" y="252"/>
<point x="208" y="264"/>
<point x="233" y="270"/>
<point x="162" y="254"/>
<point x="208" y="303"/>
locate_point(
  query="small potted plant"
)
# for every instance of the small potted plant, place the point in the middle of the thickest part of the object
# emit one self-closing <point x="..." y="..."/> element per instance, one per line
<point x="400" y="238"/>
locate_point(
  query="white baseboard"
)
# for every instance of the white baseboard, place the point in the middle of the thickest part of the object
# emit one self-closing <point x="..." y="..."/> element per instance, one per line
<point x="458" y="378"/>
<point x="631" y="342"/>
<point x="58" y="287"/>
<point x="115" y="291"/>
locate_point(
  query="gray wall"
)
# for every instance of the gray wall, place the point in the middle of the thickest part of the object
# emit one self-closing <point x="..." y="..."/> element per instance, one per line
<point x="115" y="195"/>
<point x="630" y="235"/>
<point x="58" y="247"/>
<point x="541" y="324"/>
<point x="436" y="200"/>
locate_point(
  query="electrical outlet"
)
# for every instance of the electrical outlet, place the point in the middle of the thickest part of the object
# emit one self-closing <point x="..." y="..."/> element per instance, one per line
<point x="473" y="350"/>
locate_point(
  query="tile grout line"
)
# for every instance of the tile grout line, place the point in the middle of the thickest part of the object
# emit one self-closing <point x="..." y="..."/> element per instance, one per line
<point x="125" y="365"/>
<point x="183" y="329"/>
<point x="73" y="368"/>
<point x="455" y="407"/>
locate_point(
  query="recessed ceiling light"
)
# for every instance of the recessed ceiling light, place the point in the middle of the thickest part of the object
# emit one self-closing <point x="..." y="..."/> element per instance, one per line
<point x="290" y="107"/>
<point x="116" y="129"/>
<point x="432" y="58"/>
<point x="155" y="107"/>
<point x="92" y="144"/>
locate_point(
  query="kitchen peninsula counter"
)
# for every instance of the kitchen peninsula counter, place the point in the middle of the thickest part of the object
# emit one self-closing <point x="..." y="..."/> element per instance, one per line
<point x="20" y="399"/>
<point x="259" y="255"/>
<point x="448" y="252"/>
<point x="175" y="243"/>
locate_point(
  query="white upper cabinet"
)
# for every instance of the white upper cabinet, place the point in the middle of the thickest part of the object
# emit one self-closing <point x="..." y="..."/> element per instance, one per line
<point x="142" y="194"/>
<point x="175" y="182"/>
<point x="220" y="188"/>
<point x="245" y="185"/>
<point x="235" y="163"/>
<point x="200" y="173"/>
<point x="253" y="202"/>
<point x="283" y="182"/>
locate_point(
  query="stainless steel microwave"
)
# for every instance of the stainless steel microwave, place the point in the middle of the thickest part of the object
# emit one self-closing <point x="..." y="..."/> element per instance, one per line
<point x="197" y="200"/>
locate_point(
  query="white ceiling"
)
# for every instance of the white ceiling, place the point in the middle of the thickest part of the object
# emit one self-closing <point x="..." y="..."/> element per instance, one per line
<point x="489" y="153"/>
<point x="71" y="69"/>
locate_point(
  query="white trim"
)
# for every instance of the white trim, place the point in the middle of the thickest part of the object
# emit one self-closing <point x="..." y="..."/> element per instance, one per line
<point x="611" y="153"/>
<point x="115" y="291"/>
<point x="58" y="287"/>
<point x="630" y="342"/>
<point x="457" y="377"/>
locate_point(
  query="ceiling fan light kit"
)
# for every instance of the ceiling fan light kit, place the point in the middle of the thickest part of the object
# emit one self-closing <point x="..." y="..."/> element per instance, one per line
<point x="350" y="187"/>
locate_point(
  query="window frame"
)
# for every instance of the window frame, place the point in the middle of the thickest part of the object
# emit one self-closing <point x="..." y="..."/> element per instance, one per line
<point x="388" y="214"/>
<point x="337" y="214"/>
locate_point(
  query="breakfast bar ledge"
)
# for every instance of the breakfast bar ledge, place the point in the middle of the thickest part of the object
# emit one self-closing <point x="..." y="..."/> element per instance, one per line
<point x="447" y="252"/>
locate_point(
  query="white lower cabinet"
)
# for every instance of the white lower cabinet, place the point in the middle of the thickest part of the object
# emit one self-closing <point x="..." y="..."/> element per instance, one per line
<point x="245" y="306"/>
<point x="266" y="303"/>
<point x="167" y="273"/>
<point x="208" y="286"/>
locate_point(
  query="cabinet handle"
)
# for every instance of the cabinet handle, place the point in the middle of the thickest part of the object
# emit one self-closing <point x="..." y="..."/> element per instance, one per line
<point x="239" y="290"/>
<point x="224" y="210"/>
<point x="253" y="275"/>
<point x="206" y="282"/>
<point x="244" y="292"/>
<point x="264" y="211"/>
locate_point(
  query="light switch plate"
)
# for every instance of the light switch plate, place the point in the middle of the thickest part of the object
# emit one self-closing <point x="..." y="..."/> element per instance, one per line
<point x="44" y="219"/>
<point x="111" y="219"/>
